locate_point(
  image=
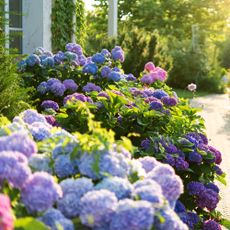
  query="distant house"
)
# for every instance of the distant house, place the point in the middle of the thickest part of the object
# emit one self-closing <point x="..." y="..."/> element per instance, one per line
<point x="29" y="24"/>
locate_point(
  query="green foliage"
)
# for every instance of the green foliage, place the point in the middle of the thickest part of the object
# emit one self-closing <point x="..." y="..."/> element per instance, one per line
<point x="29" y="223"/>
<point x="12" y="94"/>
<point x="62" y="26"/>
<point x="224" y="55"/>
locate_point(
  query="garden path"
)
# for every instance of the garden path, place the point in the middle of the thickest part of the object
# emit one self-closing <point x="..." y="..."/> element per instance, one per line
<point x="216" y="112"/>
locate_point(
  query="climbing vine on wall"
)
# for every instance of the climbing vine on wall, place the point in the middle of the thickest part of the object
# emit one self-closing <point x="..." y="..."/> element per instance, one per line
<point x="62" y="26"/>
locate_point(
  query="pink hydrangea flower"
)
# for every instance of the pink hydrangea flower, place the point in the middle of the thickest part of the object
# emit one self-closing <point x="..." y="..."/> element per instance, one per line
<point x="149" y="67"/>
<point x="6" y="216"/>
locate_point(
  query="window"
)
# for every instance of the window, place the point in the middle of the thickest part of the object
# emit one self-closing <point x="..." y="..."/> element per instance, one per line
<point x="13" y="9"/>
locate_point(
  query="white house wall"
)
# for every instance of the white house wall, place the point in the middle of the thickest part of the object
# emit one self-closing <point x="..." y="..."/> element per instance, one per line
<point x="36" y="24"/>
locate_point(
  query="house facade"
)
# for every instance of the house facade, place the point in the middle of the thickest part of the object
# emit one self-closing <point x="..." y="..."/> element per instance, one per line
<point x="29" y="24"/>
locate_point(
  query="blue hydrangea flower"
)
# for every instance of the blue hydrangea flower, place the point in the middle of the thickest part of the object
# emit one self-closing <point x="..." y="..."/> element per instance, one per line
<point x="105" y="71"/>
<point x="40" y="162"/>
<point x="133" y="215"/>
<point x="59" y="57"/>
<point x="148" y="163"/>
<point x="156" y="105"/>
<point x="162" y="169"/>
<point x="35" y="195"/>
<point x="42" y="88"/>
<point x="118" y="54"/>
<point x="98" y="58"/>
<point x="14" y="168"/>
<point x="171" y="221"/>
<point x="213" y="187"/>
<point x="159" y="93"/>
<point x="73" y="190"/>
<point x="195" y="157"/>
<point x="106" y="53"/>
<point x="55" y="219"/>
<point x="40" y="131"/>
<point x="149" y="192"/>
<point x="19" y="142"/>
<point x="52" y="81"/>
<point x="61" y="149"/>
<point x="189" y="218"/>
<point x="70" y="56"/>
<point x="48" y="62"/>
<point x="120" y="186"/>
<point x="90" y="68"/>
<point x="109" y="163"/>
<point x="64" y="167"/>
<point x="114" y="76"/>
<point x="179" y="207"/>
<point x="97" y="208"/>
<point x="169" y="159"/>
<point x="70" y="85"/>
<point x="22" y="65"/>
<point x="33" y="60"/>
<point x="181" y="164"/>
<point x="49" y="104"/>
<point x="90" y="87"/>
<point x="30" y="116"/>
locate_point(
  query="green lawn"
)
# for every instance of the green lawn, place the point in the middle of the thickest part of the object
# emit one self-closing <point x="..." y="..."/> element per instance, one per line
<point x="187" y="94"/>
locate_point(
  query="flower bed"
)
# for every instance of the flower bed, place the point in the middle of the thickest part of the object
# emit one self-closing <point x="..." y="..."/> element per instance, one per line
<point x="76" y="92"/>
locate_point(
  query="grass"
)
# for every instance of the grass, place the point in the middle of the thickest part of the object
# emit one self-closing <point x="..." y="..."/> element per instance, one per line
<point x="187" y="94"/>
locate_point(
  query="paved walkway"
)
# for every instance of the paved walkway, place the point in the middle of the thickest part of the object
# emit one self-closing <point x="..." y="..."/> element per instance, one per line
<point x="216" y="112"/>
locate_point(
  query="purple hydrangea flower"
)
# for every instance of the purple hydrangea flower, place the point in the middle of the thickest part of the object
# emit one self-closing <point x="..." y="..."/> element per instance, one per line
<point x="82" y="60"/>
<point x="105" y="71"/>
<point x="196" y="138"/>
<point x="55" y="219"/>
<point x="169" y="159"/>
<point x="181" y="164"/>
<point x="52" y="81"/>
<point x="59" y="57"/>
<point x="40" y="162"/>
<point x="98" y="58"/>
<point x="72" y="47"/>
<point x="189" y="218"/>
<point x="169" y="101"/>
<point x="73" y="190"/>
<point x="30" y="116"/>
<point x="159" y="94"/>
<point x="36" y="196"/>
<point x="106" y="53"/>
<point x="130" y="77"/>
<point x="171" y="221"/>
<point x="213" y="187"/>
<point x="208" y="199"/>
<point x="42" y="88"/>
<point x="33" y="60"/>
<point x="58" y="89"/>
<point x="76" y="97"/>
<point x="162" y="169"/>
<point x="40" y="131"/>
<point x="70" y="85"/>
<point x="14" y="168"/>
<point x="19" y="142"/>
<point x="195" y="188"/>
<point x="218" y="170"/>
<point x="195" y="157"/>
<point x="148" y="163"/>
<point x="147" y="79"/>
<point x="118" y="54"/>
<point x="90" y="68"/>
<point x="64" y="167"/>
<point x="49" y="104"/>
<point x="133" y="215"/>
<point x="218" y="158"/>
<point x="51" y="120"/>
<point x="211" y="225"/>
<point x="90" y="87"/>
<point x="120" y="186"/>
<point x="103" y="94"/>
<point x="97" y="208"/>
<point x="114" y="76"/>
<point x="145" y="144"/>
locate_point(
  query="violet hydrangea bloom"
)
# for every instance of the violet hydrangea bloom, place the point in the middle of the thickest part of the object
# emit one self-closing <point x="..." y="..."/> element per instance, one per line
<point x="14" y="168"/>
<point x="106" y="53"/>
<point x="217" y="154"/>
<point x="77" y="97"/>
<point x="73" y="190"/>
<point x="90" y="87"/>
<point x="40" y="131"/>
<point x="118" y="54"/>
<point x="148" y="163"/>
<point x="70" y="84"/>
<point x="49" y="104"/>
<point x="169" y="101"/>
<point x="55" y="219"/>
<point x="97" y="208"/>
<point x="30" y="116"/>
<point x="35" y="195"/>
<point x="105" y="71"/>
<point x="195" y="188"/>
<point x="133" y="215"/>
<point x="211" y="225"/>
<point x="120" y="186"/>
<point x="147" y="79"/>
<point x="20" y="142"/>
<point x="189" y="218"/>
<point x="58" y="89"/>
<point x="6" y="216"/>
<point x="156" y="105"/>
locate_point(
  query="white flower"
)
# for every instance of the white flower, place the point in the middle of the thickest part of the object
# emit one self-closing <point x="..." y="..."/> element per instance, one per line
<point x="192" y="87"/>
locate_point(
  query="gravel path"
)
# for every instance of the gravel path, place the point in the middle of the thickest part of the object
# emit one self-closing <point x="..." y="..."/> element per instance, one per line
<point x="216" y="112"/>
